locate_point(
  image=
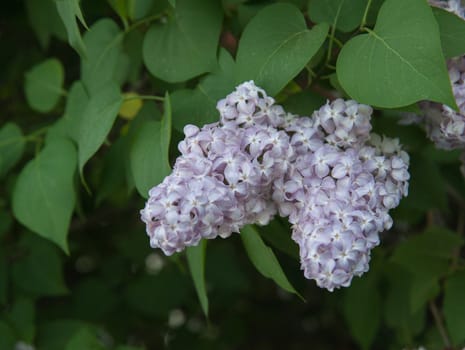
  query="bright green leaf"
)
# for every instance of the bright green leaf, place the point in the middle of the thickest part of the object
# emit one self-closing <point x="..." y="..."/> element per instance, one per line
<point x="275" y="46"/>
<point x="45" y="21"/>
<point x="345" y="15"/>
<point x="362" y="310"/>
<point x="387" y="68"/>
<point x="196" y="261"/>
<point x="454" y="307"/>
<point x="185" y="47"/>
<point x="149" y="152"/>
<point x="11" y="147"/>
<point x="43" y="266"/>
<point x="264" y="259"/>
<point x="46" y="185"/>
<point x="44" y="85"/>
<point x="452" y="31"/>
<point x="69" y="10"/>
<point x="104" y="58"/>
<point x="97" y="120"/>
<point x="76" y="103"/>
<point x="84" y="339"/>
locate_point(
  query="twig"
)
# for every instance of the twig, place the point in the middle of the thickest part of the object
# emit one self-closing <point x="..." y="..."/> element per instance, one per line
<point x="439" y="324"/>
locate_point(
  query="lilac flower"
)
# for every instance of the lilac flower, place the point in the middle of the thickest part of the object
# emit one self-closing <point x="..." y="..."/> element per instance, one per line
<point x="334" y="181"/>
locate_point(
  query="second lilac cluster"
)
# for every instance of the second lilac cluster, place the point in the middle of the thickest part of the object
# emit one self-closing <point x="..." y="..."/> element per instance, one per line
<point x="334" y="180"/>
<point x="338" y="191"/>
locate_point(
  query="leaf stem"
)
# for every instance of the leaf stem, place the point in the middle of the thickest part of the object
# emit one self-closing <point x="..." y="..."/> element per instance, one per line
<point x="439" y="324"/>
<point x="365" y="15"/>
<point x="144" y="21"/>
<point x="144" y="97"/>
<point x="332" y="35"/>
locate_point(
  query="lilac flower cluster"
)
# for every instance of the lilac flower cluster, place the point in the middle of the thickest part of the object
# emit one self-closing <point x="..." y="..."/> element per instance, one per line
<point x="334" y="181"/>
<point x="222" y="180"/>
<point x="338" y="191"/>
<point x="444" y="126"/>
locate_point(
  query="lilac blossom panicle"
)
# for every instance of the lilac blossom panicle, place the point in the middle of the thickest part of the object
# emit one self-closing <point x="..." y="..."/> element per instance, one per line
<point x="339" y="190"/>
<point x="222" y="180"/>
<point x="334" y="180"/>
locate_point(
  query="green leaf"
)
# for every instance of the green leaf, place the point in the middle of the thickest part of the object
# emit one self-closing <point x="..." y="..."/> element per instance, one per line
<point x="264" y="259"/>
<point x="113" y="176"/>
<point x="397" y="304"/>
<point x="7" y="336"/>
<point x="303" y="103"/>
<point x="426" y="257"/>
<point x="275" y="46"/>
<point x="198" y="106"/>
<point x="44" y="85"/>
<point x="76" y="103"/>
<point x="454" y="308"/>
<point x="11" y="147"/>
<point x="148" y="154"/>
<point x="68" y="11"/>
<point x="387" y="68"/>
<point x="84" y="339"/>
<point x="185" y="47"/>
<point x="362" y="310"/>
<point x="345" y="15"/>
<point x="97" y="120"/>
<point x="423" y="196"/>
<point x="46" y="185"/>
<point x="196" y="261"/>
<point x="43" y="266"/>
<point x="452" y="31"/>
<point x="279" y="236"/>
<point x="21" y="317"/>
<point x="104" y="58"/>
<point x="45" y="21"/>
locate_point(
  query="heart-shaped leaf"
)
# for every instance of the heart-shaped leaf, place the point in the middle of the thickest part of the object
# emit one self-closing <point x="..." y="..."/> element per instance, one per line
<point x="43" y="198"/>
<point x="399" y="62"/>
<point x="275" y="46"/>
<point x="185" y="46"/>
<point x="43" y="86"/>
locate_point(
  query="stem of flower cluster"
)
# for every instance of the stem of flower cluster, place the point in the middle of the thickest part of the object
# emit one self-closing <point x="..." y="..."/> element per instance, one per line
<point x="439" y="324"/>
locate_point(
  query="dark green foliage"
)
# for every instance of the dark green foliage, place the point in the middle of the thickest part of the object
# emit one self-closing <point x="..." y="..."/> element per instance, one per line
<point x="76" y="268"/>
